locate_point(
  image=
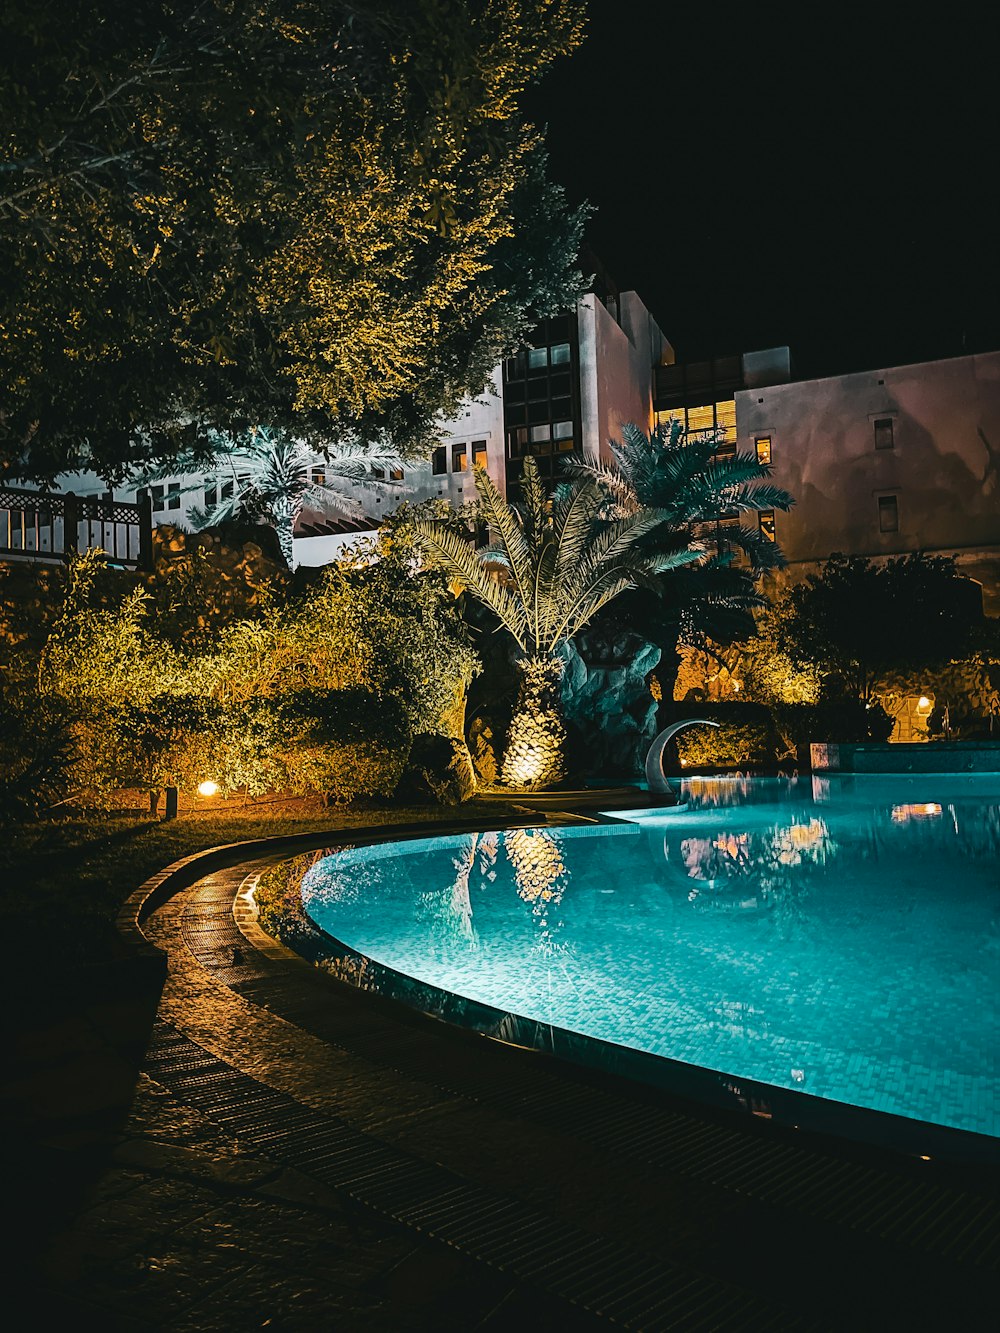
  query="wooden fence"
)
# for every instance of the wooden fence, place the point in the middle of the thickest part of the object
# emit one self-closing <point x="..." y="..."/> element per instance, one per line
<point x="36" y="526"/>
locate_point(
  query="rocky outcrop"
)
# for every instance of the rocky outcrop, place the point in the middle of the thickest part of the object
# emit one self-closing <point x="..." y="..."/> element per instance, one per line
<point x="608" y="705"/>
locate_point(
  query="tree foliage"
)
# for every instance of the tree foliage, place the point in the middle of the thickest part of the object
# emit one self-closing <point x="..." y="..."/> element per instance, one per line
<point x="321" y="692"/>
<point x="860" y="621"/>
<point x="304" y="214"/>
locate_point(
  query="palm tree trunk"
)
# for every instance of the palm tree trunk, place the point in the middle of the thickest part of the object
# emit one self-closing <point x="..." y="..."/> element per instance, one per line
<point x="537" y="735"/>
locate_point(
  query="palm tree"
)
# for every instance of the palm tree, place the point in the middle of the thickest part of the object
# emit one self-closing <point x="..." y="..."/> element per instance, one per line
<point x="274" y="477"/>
<point x="283" y="481"/>
<point x="556" y="563"/>
<point x="695" y="489"/>
<point x="698" y="493"/>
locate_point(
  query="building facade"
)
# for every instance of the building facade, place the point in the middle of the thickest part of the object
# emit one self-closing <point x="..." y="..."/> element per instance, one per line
<point x="886" y="462"/>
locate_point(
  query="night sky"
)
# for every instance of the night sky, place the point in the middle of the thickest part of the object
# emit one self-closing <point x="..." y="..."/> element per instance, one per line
<point x="830" y="185"/>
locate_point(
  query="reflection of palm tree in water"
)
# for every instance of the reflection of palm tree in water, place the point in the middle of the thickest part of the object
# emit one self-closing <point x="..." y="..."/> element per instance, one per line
<point x="540" y="876"/>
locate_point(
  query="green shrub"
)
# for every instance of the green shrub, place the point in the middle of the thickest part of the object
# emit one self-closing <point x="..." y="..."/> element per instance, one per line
<point x="744" y="738"/>
<point x="37" y="753"/>
<point x="343" y="743"/>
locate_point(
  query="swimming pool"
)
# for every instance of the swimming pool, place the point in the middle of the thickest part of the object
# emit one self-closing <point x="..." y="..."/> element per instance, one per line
<point x="786" y="940"/>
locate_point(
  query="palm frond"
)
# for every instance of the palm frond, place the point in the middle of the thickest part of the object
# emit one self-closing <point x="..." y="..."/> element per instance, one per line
<point x="502" y="519"/>
<point x="461" y="561"/>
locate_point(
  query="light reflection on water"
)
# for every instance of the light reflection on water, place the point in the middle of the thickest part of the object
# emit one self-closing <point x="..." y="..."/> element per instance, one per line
<point x="842" y="940"/>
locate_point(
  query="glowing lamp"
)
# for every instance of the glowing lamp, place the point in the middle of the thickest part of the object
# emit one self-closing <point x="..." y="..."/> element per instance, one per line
<point x="923" y="706"/>
<point x="208" y="788"/>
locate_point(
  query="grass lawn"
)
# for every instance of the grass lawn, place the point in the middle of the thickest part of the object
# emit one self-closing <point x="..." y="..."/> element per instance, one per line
<point x="65" y="879"/>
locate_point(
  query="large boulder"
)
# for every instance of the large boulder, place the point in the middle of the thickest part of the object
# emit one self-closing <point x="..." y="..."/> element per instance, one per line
<point x="609" y="708"/>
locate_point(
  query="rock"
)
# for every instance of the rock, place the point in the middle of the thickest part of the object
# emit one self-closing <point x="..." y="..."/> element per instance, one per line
<point x="609" y="709"/>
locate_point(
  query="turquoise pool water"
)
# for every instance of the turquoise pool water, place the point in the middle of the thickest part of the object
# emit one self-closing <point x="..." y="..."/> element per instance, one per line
<point x="838" y="937"/>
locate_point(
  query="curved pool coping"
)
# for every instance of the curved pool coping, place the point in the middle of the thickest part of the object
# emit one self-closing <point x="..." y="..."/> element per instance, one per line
<point x="696" y="1084"/>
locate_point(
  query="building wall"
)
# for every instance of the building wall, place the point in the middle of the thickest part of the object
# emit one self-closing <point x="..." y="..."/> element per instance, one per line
<point x="616" y="368"/>
<point x="920" y="443"/>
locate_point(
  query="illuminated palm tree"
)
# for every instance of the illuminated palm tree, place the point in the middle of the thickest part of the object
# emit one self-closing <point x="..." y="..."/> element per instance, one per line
<point x="556" y="563"/>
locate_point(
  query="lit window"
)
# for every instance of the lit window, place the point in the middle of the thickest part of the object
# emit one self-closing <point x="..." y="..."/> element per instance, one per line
<point x="766" y="520"/>
<point x="319" y="476"/>
<point x="763" y="445"/>
<point x="559" y="355"/>
<point x="883" y="435"/>
<point x="725" y="419"/>
<point x="701" y="419"/>
<point x="538" y="358"/>
<point x="541" y="433"/>
<point x="888" y="514"/>
<point x="479" y="452"/>
<point x="459" y="458"/>
<point x="439" y="461"/>
<point x="395" y="474"/>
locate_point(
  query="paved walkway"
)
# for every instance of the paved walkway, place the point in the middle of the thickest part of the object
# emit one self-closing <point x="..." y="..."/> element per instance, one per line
<point x="271" y="1149"/>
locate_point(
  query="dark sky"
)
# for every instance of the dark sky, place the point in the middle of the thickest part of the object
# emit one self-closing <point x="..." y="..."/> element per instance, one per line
<point x="829" y="183"/>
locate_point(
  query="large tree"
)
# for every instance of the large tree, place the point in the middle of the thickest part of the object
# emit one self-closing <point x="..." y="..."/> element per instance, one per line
<point x="860" y="621"/>
<point x="302" y="214"/>
<point x="555" y="563"/>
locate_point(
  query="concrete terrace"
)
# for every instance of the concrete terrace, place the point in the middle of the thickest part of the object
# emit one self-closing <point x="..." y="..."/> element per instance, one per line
<point x="258" y="1145"/>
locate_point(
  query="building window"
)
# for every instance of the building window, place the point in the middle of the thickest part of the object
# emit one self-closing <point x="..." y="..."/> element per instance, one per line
<point x="227" y="490"/>
<point x="725" y="419"/>
<point x="141" y="494"/>
<point x="538" y="358"/>
<point x="174" y="495"/>
<point x="479" y="453"/>
<point x="763" y="446"/>
<point x="559" y="355"/>
<point x="888" y="514"/>
<point x="766" y="521"/>
<point x="157" y="495"/>
<point x="439" y="461"/>
<point x="459" y="458"/>
<point x="319" y="476"/>
<point x="378" y="473"/>
<point x="539" y="433"/>
<point x="883" y="435"/>
<point x="395" y="474"/>
<point x="211" y="492"/>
